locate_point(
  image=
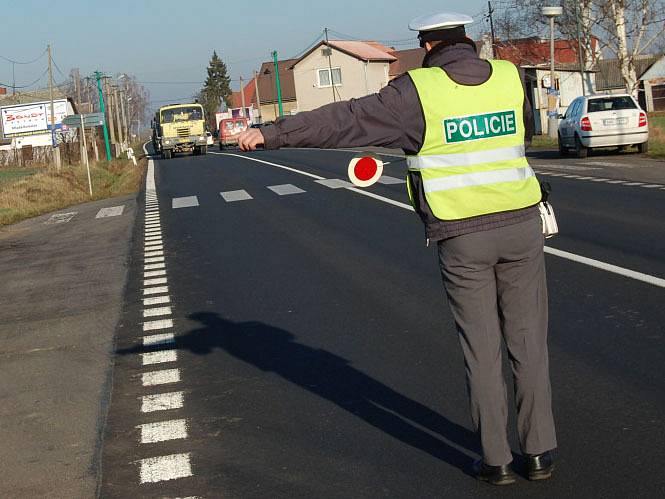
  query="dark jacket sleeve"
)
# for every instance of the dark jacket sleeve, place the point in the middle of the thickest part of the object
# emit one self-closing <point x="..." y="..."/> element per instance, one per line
<point x="391" y="118"/>
<point x="529" y="126"/>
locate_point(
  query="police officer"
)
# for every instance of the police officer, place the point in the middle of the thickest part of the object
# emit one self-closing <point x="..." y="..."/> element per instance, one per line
<point x="463" y="123"/>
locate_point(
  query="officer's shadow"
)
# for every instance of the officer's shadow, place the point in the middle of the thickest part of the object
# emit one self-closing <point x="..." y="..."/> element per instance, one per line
<point x="329" y="376"/>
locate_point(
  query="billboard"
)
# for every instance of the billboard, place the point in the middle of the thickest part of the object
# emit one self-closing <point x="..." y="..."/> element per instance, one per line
<point x="31" y="119"/>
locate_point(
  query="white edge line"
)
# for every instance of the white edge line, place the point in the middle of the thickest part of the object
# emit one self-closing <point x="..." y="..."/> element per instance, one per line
<point x="649" y="279"/>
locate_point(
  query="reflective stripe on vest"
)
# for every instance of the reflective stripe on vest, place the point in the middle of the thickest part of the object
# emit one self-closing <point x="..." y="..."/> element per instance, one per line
<point x="472" y="159"/>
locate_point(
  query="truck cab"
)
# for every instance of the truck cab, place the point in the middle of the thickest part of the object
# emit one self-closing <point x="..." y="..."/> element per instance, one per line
<point x="180" y="128"/>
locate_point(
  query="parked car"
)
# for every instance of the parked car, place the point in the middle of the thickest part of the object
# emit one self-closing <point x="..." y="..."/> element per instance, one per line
<point x="229" y="129"/>
<point x="209" y="139"/>
<point x="603" y="121"/>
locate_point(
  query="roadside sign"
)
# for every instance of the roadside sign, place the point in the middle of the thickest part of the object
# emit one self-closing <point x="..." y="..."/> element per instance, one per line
<point x="90" y="119"/>
<point x="365" y="170"/>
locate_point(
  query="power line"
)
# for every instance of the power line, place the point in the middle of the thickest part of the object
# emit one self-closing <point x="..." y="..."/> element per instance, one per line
<point x="23" y="62"/>
<point x="28" y="85"/>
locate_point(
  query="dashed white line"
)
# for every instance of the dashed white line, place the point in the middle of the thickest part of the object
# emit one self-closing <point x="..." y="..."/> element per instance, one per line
<point x="111" y="211"/>
<point x="156" y="237"/>
<point x="160" y="357"/>
<point x="184" y="202"/>
<point x="157" y="325"/>
<point x="285" y="189"/>
<point x="162" y="402"/>
<point x="162" y="431"/>
<point x="159" y="339"/>
<point x="154" y="266"/>
<point x="157" y="290"/>
<point x="388" y="180"/>
<point x="156" y="312"/>
<point x="155" y="259"/>
<point x="158" y="469"/>
<point x="156" y="300"/>
<point x="154" y="273"/>
<point x="163" y="377"/>
<point x="334" y="183"/>
<point x="155" y="282"/>
<point x="233" y="196"/>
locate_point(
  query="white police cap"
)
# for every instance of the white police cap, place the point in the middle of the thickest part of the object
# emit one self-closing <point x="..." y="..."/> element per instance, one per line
<point x="442" y="20"/>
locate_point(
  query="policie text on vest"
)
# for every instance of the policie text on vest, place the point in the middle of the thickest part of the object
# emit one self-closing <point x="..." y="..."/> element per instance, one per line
<point x="479" y="126"/>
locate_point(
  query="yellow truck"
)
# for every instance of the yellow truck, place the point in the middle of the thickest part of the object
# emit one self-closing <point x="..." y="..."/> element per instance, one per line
<point x="179" y="128"/>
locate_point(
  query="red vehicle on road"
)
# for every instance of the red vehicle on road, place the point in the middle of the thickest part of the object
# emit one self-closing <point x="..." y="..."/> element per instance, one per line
<point x="229" y="129"/>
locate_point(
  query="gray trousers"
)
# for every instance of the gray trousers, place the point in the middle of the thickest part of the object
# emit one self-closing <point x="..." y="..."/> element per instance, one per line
<point x="495" y="282"/>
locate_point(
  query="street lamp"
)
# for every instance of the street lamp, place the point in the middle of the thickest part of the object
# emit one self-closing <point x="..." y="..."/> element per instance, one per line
<point x="552" y="112"/>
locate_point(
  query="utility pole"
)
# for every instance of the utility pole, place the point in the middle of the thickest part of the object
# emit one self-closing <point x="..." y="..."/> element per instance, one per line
<point x="116" y="107"/>
<point x="242" y="98"/>
<point x="490" y="12"/>
<point x="332" y="83"/>
<point x="13" y="78"/>
<point x="279" y="87"/>
<point x="98" y="76"/>
<point x="123" y="105"/>
<point x="109" y="114"/>
<point x="580" y="55"/>
<point x="258" y="97"/>
<point x="54" y="142"/>
<point x="77" y="84"/>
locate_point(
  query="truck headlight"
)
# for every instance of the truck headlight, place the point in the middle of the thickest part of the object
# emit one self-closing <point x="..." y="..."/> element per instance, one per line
<point x="167" y="142"/>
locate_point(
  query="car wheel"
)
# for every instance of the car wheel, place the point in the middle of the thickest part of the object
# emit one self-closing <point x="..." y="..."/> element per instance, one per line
<point x="581" y="151"/>
<point x="166" y="154"/>
<point x="221" y="146"/>
<point x="563" y="150"/>
<point x="643" y="147"/>
<point x="204" y="150"/>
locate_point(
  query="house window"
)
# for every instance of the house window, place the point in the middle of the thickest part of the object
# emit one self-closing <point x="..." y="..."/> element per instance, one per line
<point x="323" y="76"/>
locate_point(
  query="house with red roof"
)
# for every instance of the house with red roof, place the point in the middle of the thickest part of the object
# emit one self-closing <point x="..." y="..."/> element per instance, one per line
<point x="340" y="70"/>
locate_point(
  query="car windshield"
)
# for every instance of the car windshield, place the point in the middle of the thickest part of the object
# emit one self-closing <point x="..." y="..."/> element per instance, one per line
<point x="610" y="104"/>
<point x="184" y="113"/>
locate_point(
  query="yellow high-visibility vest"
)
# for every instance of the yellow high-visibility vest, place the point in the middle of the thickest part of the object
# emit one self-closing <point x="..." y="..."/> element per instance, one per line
<point x="472" y="160"/>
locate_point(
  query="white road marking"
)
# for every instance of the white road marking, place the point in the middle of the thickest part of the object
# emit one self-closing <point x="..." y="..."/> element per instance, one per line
<point x="163" y="377"/>
<point x="285" y="189"/>
<point x="616" y="181"/>
<point x="562" y="254"/>
<point x="154" y="273"/>
<point x="157" y="290"/>
<point x="154" y="259"/>
<point x="156" y="312"/>
<point x="184" y="202"/>
<point x="152" y="216"/>
<point x="634" y="183"/>
<point x="334" y="183"/>
<point x="158" y="339"/>
<point x="159" y="469"/>
<point x="154" y="266"/>
<point x="160" y="357"/>
<point x="652" y="186"/>
<point x="153" y="229"/>
<point x="388" y="180"/>
<point x="111" y="211"/>
<point x="157" y="237"/>
<point x="656" y="281"/>
<point x="153" y="245"/>
<point x="162" y="402"/>
<point x="155" y="282"/>
<point x="565" y="167"/>
<point x="156" y="300"/>
<point x="60" y="218"/>
<point x="232" y="196"/>
<point x="597" y="179"/>
<point x="163" y="430"/>
<point x="283" y="167"/>
<point x="157" y="325"/>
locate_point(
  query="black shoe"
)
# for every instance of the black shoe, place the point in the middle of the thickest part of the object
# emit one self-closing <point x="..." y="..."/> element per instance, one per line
<point x="540" y="466"/>
<point x="496" y="475"/>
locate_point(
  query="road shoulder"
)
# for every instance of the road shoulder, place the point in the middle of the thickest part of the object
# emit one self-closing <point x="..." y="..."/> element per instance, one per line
<point x="63" y="279"/>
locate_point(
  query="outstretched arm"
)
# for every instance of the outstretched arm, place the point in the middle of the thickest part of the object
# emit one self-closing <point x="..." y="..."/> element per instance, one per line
<point x="391" y="118"/>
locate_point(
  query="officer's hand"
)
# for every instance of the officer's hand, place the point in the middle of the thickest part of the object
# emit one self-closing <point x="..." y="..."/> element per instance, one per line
<point x="249" y="139"/>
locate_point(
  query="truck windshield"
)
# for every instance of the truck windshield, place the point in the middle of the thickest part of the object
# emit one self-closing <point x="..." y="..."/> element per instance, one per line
<point x="182" y="114"/>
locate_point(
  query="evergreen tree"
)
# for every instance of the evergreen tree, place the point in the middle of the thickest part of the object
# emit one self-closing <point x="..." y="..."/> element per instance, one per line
<point x="216" y="89"/>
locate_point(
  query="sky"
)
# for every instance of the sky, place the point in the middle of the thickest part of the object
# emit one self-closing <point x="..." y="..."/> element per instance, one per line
<point x="170" y="42"/>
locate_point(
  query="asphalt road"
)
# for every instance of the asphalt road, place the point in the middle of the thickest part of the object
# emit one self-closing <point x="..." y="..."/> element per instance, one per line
<point x="314" y="355"/>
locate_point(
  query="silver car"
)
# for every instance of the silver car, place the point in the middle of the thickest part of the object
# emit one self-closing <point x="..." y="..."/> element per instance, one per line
<point x="603" y="121"/>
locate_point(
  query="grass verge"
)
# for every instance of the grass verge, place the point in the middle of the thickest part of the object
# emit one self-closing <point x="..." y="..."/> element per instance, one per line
<point x="33" y="192"/>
